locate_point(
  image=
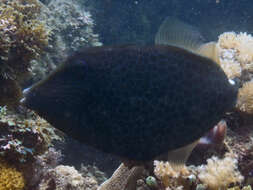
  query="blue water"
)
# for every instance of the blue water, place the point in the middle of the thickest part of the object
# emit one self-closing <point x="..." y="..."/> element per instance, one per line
<point x="129" y="21"/>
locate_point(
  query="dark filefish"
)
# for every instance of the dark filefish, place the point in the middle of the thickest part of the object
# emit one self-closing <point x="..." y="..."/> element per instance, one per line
<point x="136" y="102"/>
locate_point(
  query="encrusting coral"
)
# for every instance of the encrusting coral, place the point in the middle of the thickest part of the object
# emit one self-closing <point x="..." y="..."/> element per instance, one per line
<point x="10" y="177"/>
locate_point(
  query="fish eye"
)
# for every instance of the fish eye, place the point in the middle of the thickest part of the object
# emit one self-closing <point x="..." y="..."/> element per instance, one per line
<point x="232" y="82"/>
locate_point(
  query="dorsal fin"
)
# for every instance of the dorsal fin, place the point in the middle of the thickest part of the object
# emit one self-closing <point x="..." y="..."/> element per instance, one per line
<point x="209" y="50"/>
<point x="177" y="33"/>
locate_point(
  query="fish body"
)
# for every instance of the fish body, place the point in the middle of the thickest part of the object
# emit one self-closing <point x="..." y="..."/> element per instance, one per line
<point x="136" y="102"/>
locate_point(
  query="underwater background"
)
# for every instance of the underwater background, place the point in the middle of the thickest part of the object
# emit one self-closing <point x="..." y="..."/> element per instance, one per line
<point x="37" y="36"/>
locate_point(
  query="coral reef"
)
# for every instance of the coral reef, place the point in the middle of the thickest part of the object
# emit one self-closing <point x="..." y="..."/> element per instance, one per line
<point x="22" y="137"/>
<point x="245" y="98"/>
<point x="171" y="177"/>
<point x="10" y="92"/>
<point x="220" y="173"/>
<point x="10" y="177"/>
<point x="239" y="141"/>
<point x="123" y="178"/>
<point x="66" y="178"/>
<point x="235" y="52"/>
<point x="93" y="171"/>
<point x="71" y="29"/>
<point x="216" y="174"/>
<point x="23" y="37"/>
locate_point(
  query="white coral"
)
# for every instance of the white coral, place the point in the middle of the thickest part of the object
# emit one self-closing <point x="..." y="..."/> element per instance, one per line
<point x="220" y="173"/>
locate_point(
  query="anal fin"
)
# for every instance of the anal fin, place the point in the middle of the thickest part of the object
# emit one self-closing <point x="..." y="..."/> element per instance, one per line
<point x="177" y="158"/>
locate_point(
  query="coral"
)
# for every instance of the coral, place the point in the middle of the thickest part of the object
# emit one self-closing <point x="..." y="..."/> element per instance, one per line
<point x="242" y="43"/>
<point x="66" y="178"/>
<point x="71" y="29"/>
<point x="240" y="142"/>
<point x="220" y="173"/>
<point x="245" y="98"/>
<point x="93" y="171"/>
<point x="172" y="178"/>
<point x="10" y="177"/>
<point x="238" y="188"/>
<point x="22" y="36"/>
<point x="235" y="52"/>
<point x="123" y="178"/>
<point x="23" y="137"/>
<point x="10" y="93"/>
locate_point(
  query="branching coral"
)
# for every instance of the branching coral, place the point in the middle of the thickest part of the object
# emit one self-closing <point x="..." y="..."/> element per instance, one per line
<point x="220" y="173"/>
<point x="22" y="36"/>
<point x="10" y="178"/>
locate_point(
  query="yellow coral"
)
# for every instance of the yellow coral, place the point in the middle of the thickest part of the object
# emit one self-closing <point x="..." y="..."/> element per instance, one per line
<point x="10" y="178"/>
<point x="220" y="173"/>
<point x="245" y="98"/>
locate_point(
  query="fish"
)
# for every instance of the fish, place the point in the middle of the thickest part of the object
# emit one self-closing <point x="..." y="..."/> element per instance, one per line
<point x="134" y="101"/>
